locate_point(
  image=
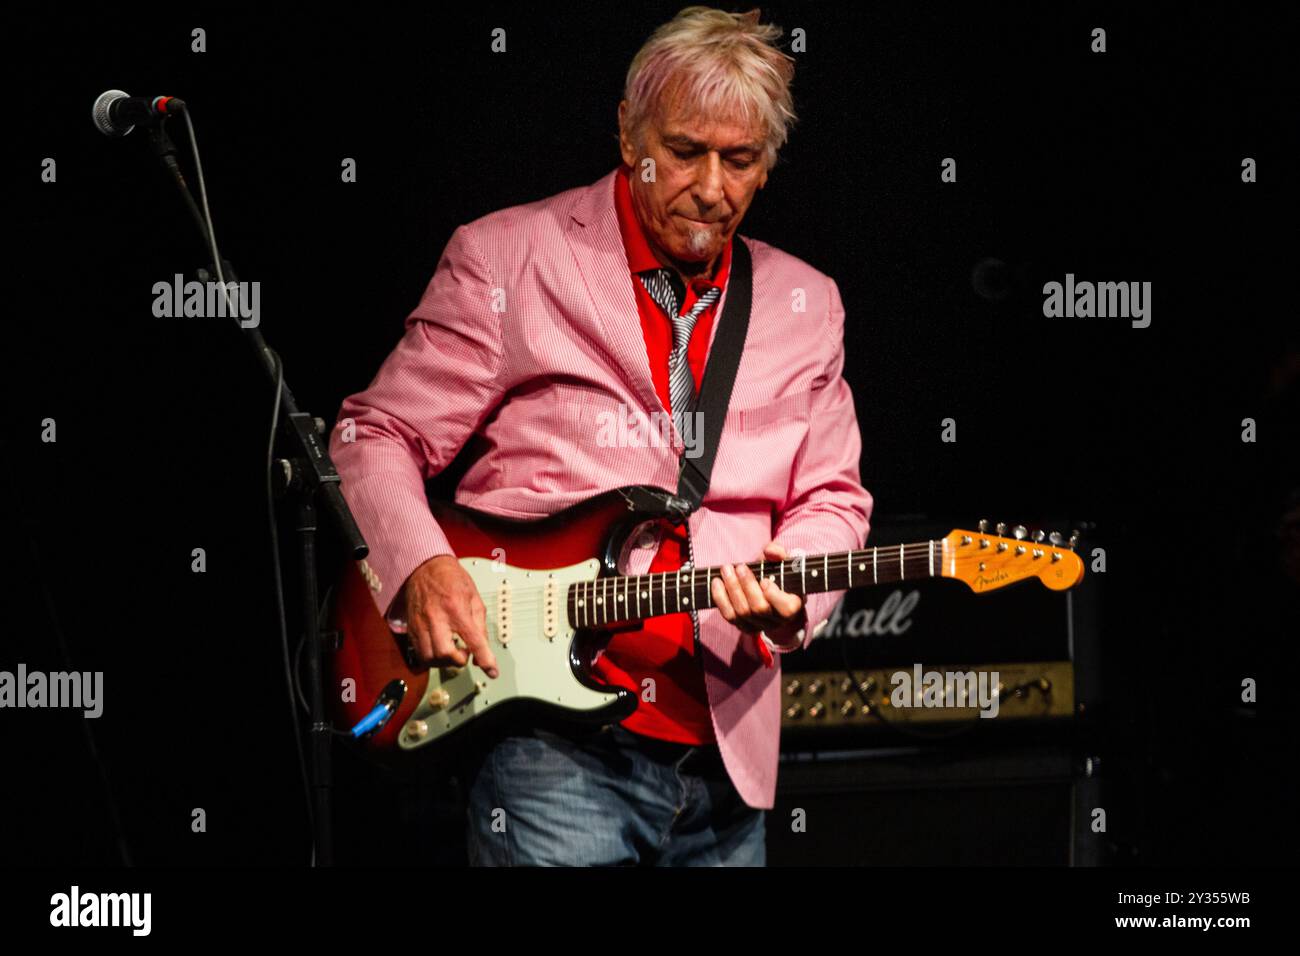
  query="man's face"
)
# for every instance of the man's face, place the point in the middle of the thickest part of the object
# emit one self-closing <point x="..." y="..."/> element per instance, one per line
<point x="706" y="175"/>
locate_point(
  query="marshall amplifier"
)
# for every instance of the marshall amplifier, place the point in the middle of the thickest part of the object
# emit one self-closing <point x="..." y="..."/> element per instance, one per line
<point x="931" y="657"/>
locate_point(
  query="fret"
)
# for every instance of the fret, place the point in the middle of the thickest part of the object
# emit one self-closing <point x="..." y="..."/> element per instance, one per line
<point x="600" y="601"/>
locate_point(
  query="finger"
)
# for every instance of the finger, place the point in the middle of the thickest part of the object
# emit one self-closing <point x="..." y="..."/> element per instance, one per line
<point x="472" y="627"/>
<point x="418" y="631"/>
<point x="735" y="591"/>
<point x="754" y="595"/>
<point x="784" y="604"/>
<point x="718" y="590"/>
<point x="444" y="642"/>
<point x="774" y="550"/>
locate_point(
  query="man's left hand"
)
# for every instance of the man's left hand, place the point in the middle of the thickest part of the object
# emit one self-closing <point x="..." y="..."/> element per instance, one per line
<point x="754" y="605"/>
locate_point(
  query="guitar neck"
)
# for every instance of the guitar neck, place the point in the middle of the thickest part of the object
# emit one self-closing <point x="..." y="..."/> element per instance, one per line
<point x="619" y="599"/>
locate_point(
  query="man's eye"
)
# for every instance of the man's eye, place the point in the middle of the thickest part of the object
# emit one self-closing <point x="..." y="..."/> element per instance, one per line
<point x="742" y="163"/>
<point x="682" y="154"/>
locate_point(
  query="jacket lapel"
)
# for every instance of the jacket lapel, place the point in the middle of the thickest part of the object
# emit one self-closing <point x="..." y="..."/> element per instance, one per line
<point x="597" y="247"/>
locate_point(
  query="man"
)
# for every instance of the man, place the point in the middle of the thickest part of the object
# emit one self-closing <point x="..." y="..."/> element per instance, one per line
<point x="546" y="320"/>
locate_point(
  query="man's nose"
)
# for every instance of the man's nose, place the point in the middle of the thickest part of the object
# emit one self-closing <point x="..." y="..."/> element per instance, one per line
<point x="708" y="185"/>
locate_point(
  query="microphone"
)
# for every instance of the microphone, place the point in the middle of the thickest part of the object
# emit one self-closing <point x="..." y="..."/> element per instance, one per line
<point x="116" y="113"/>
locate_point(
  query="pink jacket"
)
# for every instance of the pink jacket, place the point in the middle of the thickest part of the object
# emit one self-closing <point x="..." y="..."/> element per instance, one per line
<point x="528" y="335"/>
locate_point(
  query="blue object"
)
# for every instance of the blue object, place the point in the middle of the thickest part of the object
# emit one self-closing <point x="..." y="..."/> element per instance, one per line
<point x="375" y="719"/>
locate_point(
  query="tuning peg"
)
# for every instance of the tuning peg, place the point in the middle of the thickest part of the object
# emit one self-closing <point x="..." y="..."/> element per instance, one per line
<point x="983" y="525"/>
<point x="1020" y="532"/>
<point x="1055" y="538"/>
<point x="1074" y="538"/>
<point x="1039" y="535"/>
<point x="1001" y="529"/>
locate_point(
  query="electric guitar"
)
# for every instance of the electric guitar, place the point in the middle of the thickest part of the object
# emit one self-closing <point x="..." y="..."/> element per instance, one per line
<point x="556" y="601"/>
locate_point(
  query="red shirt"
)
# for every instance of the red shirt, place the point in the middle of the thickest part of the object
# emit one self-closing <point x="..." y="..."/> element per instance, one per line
<point x="664" y="648"/>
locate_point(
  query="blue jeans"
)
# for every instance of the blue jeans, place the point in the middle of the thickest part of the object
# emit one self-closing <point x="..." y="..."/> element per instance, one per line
<point x="608" y="797"/>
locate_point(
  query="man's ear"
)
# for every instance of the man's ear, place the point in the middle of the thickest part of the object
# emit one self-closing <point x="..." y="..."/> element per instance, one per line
<point x="626" y="147"/>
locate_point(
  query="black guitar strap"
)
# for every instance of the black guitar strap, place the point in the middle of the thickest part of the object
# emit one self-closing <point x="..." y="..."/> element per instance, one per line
<point x="719" y="377"/>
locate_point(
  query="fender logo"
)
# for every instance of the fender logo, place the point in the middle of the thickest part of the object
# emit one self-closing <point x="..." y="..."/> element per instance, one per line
<point x="981" y="581"/>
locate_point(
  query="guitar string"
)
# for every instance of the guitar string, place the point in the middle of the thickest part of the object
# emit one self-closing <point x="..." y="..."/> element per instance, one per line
<point x="529" y="597"/>
<point x="663" y="581"/>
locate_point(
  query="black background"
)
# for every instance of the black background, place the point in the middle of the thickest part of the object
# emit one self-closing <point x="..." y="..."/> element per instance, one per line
<point x="1124" y="166"/>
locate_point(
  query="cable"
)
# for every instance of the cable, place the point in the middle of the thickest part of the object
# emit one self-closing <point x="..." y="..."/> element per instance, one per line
<point x="270" y="493"/>
<point x="297" y="669"/>
<point x="279" y="600"/>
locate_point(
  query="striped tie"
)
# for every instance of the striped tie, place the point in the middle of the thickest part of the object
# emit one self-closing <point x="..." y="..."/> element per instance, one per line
<point x="681" y="384"/>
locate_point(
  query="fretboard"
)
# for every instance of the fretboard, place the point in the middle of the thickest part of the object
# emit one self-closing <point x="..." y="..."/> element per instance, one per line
<point x="617" y="599"/>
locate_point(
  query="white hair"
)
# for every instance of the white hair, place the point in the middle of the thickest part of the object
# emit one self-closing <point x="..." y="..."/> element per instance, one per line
<point x="725" y="66"/>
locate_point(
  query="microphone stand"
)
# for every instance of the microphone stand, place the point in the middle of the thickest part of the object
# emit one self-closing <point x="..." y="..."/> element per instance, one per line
<point x="305" y="474"/>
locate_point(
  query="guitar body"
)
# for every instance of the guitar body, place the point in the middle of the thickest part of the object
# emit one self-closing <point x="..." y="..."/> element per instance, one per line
<point x="522" y="570"/>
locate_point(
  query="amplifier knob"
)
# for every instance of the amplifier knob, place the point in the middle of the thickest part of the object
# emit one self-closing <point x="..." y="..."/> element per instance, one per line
<point x="817" y="709"/>
<point x="848" y="709"/>
<point x="792" y="688"/>
<point x="794" y="711"/>
<point x="815" y="686"/>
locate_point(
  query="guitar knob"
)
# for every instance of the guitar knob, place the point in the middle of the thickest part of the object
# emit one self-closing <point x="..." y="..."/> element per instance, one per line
<point x="1074" y="538"/>
<point x="1020" y="532"/>
<point x="1001" y="528"/>
<point x="1055" y="538"/>
<point x="1039" y="535"/>
<point x="439" y="699"/>
<point x="983" y="526"/>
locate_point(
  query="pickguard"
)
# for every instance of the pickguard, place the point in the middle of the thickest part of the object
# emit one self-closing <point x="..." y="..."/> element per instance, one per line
<point x="530" y="636"/>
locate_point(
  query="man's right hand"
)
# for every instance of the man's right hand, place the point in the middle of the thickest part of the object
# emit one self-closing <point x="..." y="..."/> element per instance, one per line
<point x="441" y="603"/>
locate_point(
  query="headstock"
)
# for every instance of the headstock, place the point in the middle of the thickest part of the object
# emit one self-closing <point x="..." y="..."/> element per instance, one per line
<point x="987" y="562"/>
